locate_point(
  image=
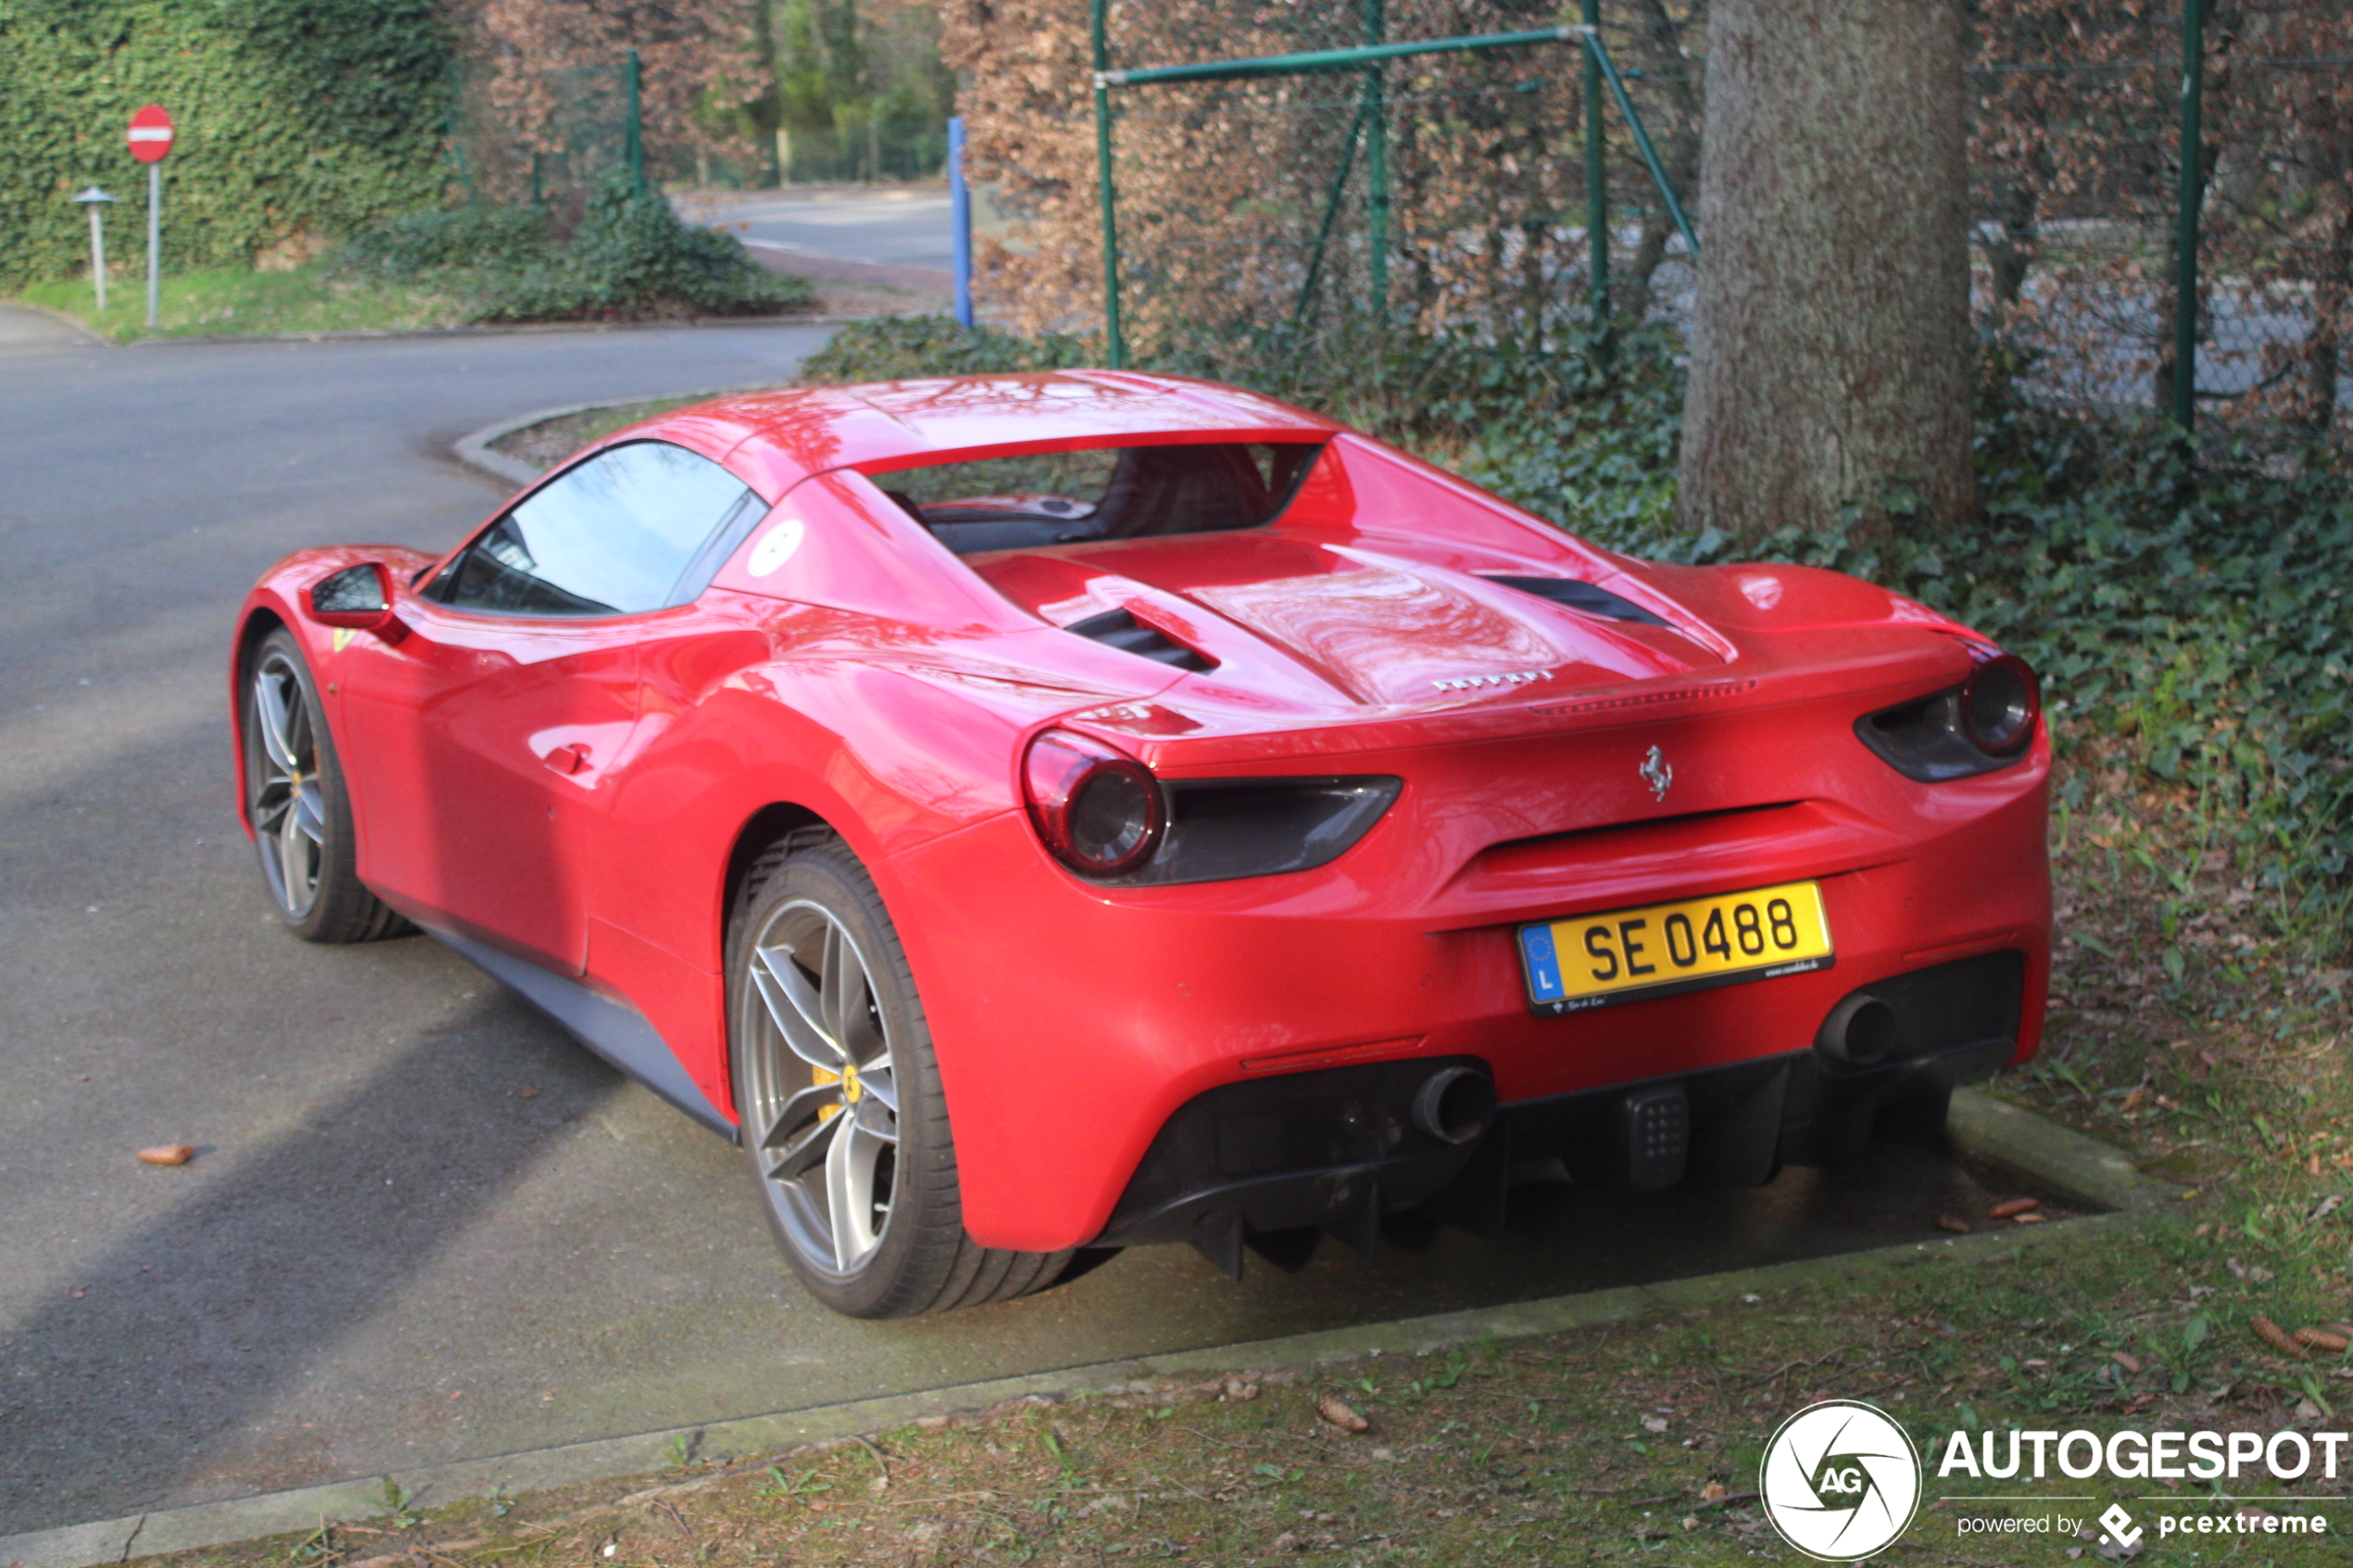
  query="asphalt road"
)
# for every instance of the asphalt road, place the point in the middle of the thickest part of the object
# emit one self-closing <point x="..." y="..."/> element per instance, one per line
<point x="889" y="226"/>
<point x="422" y="1225"/>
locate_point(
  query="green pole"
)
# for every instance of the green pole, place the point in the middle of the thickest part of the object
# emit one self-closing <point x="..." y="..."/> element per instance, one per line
<point x="1331" y="212"/>
<point x="2185" y="236"/>
<point x="1114" y="341"/>
<point x="1643" y="142"/>
<point x="634" y="149"/>
<point x="1596" y="186"/>
<point x="1376" y="158"/>
<point x="1318" y="61"/>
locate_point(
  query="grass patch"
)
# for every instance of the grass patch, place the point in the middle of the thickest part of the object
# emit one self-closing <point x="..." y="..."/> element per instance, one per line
<point x="230" y="301"/>
<point x="631" y="259"/>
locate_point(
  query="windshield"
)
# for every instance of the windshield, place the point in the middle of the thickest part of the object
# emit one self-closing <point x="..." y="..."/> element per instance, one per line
<point x="1103" y="492"/>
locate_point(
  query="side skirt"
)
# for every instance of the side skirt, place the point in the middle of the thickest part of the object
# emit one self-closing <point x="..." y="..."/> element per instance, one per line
<point x="613" y="1030"/>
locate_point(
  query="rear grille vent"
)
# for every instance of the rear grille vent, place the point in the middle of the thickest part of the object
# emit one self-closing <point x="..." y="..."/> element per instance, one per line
<point x="1122" y="631"/>
<point x="1584" y="596"/>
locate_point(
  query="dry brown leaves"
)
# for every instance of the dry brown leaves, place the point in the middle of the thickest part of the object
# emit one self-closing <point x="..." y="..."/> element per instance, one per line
<point x="1340" y="1413"/>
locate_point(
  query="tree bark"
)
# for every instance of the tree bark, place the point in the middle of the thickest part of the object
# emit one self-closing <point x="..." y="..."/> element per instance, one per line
<point x="1830" y="344"/>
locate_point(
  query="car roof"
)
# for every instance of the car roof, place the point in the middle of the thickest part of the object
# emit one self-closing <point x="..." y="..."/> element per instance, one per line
<point x="784" y="436"/>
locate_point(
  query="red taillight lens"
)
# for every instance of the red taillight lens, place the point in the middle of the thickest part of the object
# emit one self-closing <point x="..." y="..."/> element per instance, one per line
<point x="1099" y="811"/>
<point x="1999" y="706"/>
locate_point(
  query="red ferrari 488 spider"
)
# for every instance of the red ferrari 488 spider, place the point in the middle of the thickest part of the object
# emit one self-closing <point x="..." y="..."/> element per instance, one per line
<point x="1091" y="809"/>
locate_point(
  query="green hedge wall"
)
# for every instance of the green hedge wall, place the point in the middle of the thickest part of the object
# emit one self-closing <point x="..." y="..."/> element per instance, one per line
<point x="294" y="116"/>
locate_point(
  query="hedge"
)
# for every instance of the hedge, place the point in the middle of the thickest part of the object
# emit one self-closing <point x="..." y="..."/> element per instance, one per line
<point x="294" y="116"/>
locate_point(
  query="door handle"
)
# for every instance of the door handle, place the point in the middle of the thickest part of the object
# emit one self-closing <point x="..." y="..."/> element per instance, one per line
<point x="567" y="759"/>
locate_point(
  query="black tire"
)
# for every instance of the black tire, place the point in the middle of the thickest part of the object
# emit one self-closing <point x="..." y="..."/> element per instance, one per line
<point x="300" y="810"/>
<point x="807" y="905"/>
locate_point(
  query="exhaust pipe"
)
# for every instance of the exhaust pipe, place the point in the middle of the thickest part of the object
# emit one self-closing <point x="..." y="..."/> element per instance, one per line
<point x="1455" y="1104"/>
<point x="1860" y="1031"/>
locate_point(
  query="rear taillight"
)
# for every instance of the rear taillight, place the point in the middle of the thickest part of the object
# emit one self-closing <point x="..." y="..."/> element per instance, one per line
<point x="1099" y="811"/>
<point x="1983" y="723"/>
<point x="1999" y="705"/>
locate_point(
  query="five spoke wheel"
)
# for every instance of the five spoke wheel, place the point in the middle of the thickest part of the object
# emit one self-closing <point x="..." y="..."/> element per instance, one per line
<point x="826" y="1106"/>
<point x="288" y="807"/>
<point x="837" y="1093"/>
<point x="295" y="803"/>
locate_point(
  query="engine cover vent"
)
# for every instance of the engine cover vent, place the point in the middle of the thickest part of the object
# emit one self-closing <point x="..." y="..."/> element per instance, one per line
<point x="1120" y="630"/>
<point x="1584" y="596"/>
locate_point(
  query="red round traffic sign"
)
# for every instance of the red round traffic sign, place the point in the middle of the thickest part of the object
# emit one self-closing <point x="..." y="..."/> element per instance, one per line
<point x="150" y="134"/>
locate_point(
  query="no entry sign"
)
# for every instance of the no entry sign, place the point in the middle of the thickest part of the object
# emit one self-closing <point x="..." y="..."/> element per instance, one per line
<point x="150" y="134"/>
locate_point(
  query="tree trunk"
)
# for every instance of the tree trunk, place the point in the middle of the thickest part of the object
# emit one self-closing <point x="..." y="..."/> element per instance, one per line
<point x="1831" y="346"/>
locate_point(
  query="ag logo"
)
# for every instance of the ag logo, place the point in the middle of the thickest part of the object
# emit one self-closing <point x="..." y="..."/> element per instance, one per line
<point x="1840" y="1480"/>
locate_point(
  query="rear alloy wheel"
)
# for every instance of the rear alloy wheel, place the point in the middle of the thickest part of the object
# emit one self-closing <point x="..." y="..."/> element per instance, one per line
<point x="295" y="800"/>
<point x="839" y="1096"/>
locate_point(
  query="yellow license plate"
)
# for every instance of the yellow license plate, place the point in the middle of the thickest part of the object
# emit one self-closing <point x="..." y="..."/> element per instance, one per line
<point x="1625" y="955"/>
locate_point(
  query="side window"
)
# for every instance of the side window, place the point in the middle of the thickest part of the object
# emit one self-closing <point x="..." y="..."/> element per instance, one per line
<point x="613" y="536"/>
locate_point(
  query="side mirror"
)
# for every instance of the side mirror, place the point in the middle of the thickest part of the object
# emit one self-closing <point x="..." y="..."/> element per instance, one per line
<point x="358" y="597"/>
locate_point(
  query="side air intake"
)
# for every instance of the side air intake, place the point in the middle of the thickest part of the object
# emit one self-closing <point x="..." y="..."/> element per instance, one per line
<point x="1584" y="596"/>
<point x="1120" y="630"/>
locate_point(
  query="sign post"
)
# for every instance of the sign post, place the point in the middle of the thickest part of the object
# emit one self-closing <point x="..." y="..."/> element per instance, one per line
<point x="150" y="140"/>
<point x="96" y="200"/>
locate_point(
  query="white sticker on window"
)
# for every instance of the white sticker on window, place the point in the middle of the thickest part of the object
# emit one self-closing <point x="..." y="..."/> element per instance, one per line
<point x="775" y="548"/>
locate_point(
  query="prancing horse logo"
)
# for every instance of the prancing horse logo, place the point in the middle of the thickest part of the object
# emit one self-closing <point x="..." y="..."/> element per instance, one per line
<point x="1656" y="773"/>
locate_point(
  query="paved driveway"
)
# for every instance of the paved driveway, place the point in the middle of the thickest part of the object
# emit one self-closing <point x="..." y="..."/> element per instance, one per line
<point x="422" y="1225"/>
<point x="887" y="226"/>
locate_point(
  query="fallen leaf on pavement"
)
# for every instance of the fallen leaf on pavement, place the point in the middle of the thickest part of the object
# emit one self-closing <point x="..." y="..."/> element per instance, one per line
<point x="168" y="1154"/>
<point x="1340" y="1413"/>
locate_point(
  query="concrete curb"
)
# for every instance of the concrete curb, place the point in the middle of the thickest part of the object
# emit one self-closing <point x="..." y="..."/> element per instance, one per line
<point x="370" y="334"/>
<point x="1985" y="1129"/>
<point x="474" y="447"/>
<point x="2059" y="1160"/>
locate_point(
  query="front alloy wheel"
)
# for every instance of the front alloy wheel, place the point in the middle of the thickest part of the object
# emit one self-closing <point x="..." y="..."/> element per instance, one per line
<point x="289" y="812"/>
<point x="297" y="804"/>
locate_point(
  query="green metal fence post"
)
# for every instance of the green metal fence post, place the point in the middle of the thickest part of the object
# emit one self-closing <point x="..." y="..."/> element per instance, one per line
<point x="634" y="149"/>
<point x="1643" y="142"/>
<point x="1596" y="186"/>
<point x="1331" y="210"/>
<point x="1377" y="158"/>
<point x="2185" y="234"/>
<point x="1114" y="341"/>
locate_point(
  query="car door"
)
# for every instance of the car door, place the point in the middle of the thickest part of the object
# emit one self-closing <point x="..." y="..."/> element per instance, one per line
<point x="482" y="735"/>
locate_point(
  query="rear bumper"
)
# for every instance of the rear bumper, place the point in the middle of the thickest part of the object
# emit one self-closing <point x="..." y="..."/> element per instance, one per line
<point x="1073" y="1023"/>
<point x="1339" y="1148"/>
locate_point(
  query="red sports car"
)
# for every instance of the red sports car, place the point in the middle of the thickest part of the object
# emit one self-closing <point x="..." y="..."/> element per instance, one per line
<point x="1089" y="809"/>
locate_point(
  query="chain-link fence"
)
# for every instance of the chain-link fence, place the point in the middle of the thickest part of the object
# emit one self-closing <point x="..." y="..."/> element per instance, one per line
<point x="1460" y="190"/>
<point x="548" y="137"/>
<point x="1440" y="190"/>
<point x="2080" y="116"/>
